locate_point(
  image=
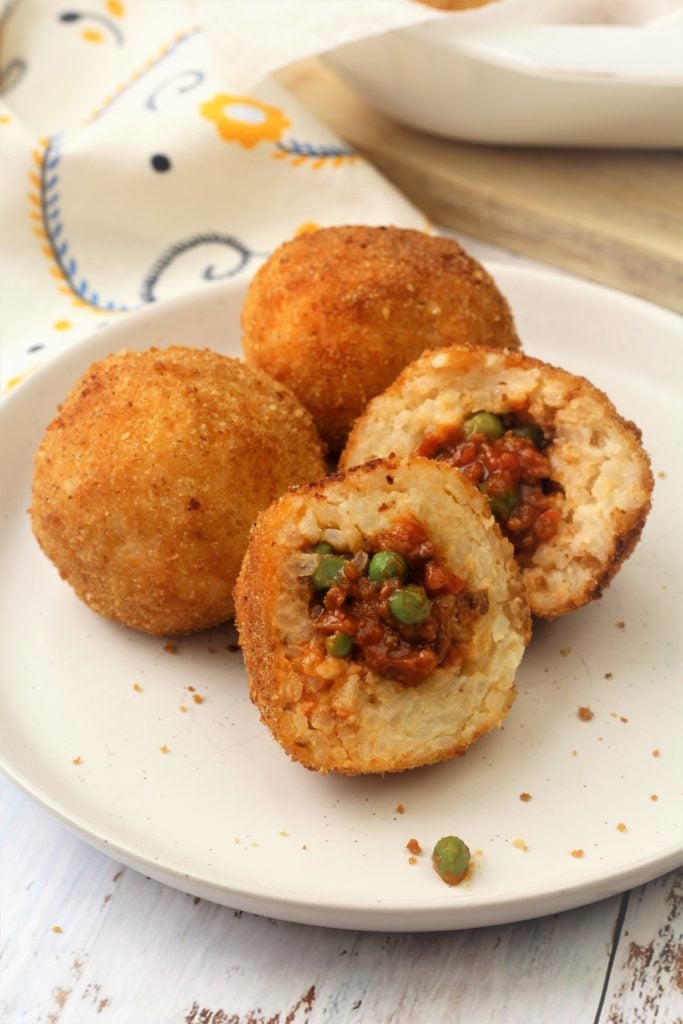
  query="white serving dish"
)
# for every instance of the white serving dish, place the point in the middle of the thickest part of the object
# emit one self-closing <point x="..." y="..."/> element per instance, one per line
<point x="206" y="801"/>
<point x="496" y="80"/>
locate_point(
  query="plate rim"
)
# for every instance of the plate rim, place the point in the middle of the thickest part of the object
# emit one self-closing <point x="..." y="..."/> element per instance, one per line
<point x="293" y="905"/>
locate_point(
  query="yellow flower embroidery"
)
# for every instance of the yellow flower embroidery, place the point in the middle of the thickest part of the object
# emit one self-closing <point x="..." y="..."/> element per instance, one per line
<point x="92" y="35"/>
<point x="244" y="120"/>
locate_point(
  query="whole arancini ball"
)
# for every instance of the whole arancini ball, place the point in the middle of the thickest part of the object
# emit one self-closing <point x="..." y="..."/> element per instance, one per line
<point x="149" y="478"/>
<point x="337" y="313"/>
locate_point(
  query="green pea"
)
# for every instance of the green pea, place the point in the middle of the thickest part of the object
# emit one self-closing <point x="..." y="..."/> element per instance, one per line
<point x="387" y="565"/>
<point x="410" y="605"/>
<point x="330" y="570"/>
<point x="483" y="423"/>
<point x="503" y="505"/>
<point x="339" y="645"/>
<point x="323" y="548"/>
<point x="531" y="431"/>
<point x="451" y="858"/>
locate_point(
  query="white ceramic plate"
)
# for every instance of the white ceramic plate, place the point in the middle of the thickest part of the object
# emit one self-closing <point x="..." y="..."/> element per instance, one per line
<point x="226" y="816"/>
<point x="506" y="73"/>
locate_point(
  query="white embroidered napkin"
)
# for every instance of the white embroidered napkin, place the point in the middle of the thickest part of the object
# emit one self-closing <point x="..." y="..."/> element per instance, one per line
<point x="132" y="173"/>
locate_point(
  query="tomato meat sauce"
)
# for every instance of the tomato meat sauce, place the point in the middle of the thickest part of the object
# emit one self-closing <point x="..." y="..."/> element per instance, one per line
<point x="399" y="610"/>
<point x="511" y="469"/>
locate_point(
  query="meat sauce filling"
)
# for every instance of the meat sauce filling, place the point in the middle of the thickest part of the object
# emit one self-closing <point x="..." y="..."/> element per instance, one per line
<point x="397" y="608"/>
<point x="503" y="455"/>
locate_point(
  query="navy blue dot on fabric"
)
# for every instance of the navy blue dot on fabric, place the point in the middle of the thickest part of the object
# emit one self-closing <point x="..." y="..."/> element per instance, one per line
<point x="160" y="162"/>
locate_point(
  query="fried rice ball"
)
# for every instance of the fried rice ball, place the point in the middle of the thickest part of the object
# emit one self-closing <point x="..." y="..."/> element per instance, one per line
<point x="337" y="313"/>
<point x="148" y="480"/>
<point x="565" y="474"/>
<point x="382" y="618"/>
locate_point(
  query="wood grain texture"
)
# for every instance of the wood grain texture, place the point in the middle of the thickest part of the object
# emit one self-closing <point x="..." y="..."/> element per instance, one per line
<point x="646" y="983"/>
<point x="611" y="216"/>
<point x="132" y="951"/>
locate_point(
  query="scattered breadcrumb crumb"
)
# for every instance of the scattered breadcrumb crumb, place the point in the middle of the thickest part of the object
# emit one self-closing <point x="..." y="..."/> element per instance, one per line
<point x="526" y="797"/>
<point x="137" y="687"/>
<point x="609" y="675"/>
<point x="654" y="797"/>
<point x="564" y="651"/>
<point x="519" y="844"/>
<point x="585" y="714"/>
<point x="620" y="624"/>
<point x="622" y="718"/>
<point x="56" y="929"/>
<point x="412" y="860"/>
<point x="182" y="708"/>
<point x="283" y="832"/>
<point x="400" y="809"/>
<point x="578" y="854"/>
<point x="656" y="753"/>
<point x="197" y="698"/>
<point x="165" y="749"/>
<point x="574" y="753"/>
<point x="191" y="689"/>
<point x="303" y="846"/>
<point x="661" y="475"/>
<point x="413" y="846"/>
<point x="170" y="648"/>
<point x="77" y="760"/>
<point x="621" y="827"/>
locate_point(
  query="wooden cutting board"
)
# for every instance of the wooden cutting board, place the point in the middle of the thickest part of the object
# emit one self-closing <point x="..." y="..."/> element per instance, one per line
<point x="614" y="216"/>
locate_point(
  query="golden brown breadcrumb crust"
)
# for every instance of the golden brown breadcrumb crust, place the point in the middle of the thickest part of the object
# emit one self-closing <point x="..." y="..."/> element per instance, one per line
<point x="337" y="313"/>
<point x="596" y="456"/>
<point x="338" y="715"/>
<point x="148" y="479"/>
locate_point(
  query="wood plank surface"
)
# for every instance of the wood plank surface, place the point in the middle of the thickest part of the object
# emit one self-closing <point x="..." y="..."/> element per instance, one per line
<point x="85" y="941"/>
<point x="611" y="216"/>
<point x="645" y="984"/>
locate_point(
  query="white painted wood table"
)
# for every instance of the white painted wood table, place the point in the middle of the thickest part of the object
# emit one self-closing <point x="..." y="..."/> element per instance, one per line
<point x="87" y="940"/>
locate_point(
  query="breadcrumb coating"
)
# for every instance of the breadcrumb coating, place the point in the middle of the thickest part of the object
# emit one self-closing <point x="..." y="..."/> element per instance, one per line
<point x="148" y="479"/>
<point x="337" y="313"/>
